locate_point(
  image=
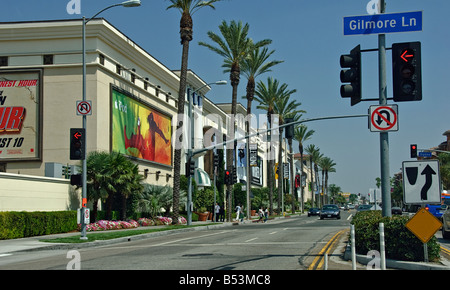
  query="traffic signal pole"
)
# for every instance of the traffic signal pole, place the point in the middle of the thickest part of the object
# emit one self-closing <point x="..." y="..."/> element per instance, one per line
<point x="384" y="136"/>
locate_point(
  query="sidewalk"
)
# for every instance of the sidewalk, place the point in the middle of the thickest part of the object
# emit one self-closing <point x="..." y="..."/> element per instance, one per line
<point x="35" y="243"/>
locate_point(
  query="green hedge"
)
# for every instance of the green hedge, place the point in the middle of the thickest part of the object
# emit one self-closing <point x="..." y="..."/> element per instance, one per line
<point x="14" y="225"/>
<point x="400" y="243"/>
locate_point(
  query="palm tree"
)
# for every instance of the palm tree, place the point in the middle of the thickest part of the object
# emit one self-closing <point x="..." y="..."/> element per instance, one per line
<point x="233" y="46"/>
<point x="314" y="155"/>
<point x="284" y="108"/>
<point x="266" y="95"/>
<point x="187" y="9"/>
<point x="125" y="179"/>
<point x="302" y="134"/>
<point x="327" y="165"/>
<point x="255" y="64"/>
<point x="97" y="176"/>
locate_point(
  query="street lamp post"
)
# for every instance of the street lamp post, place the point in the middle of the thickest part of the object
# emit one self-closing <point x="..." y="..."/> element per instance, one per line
<point x="190" y="154"/>
<point x="129" y="3"/>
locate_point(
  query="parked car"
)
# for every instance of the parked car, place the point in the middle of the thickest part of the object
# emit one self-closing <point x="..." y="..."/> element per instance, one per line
<point x="330" y="211"/>
<point x="364" y="207"/>
<point x="313" y="211"/>
<point x="396" y="210"/>
<point x="446" y="224"/>
<point x="436" y="209"/>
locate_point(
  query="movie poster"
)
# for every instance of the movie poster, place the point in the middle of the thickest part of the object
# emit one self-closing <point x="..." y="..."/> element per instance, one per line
<point x="20" y="111"/>
<point x="139" y="130"/>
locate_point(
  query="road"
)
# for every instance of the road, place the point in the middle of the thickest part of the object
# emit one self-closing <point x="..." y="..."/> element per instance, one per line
<point x="282" y="244"/>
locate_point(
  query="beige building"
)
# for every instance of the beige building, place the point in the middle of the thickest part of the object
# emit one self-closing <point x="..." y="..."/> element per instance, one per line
<point x="122" y="78"/>
<point x="132" y="105"/>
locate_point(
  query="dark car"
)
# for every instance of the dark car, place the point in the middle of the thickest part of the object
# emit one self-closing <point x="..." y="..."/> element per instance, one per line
<point x="330" y="211"/>
<point x="313" y="211"/>
<point x="396" y="210"/>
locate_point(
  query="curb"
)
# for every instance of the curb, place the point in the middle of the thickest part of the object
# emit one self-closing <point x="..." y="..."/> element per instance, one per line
<point x="68" y="246"/>
<point x="394" y="264"/>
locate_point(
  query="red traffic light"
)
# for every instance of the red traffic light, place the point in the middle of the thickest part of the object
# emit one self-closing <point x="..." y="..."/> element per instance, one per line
<point x="77" y="135"/>
<point x="407" y="54"/>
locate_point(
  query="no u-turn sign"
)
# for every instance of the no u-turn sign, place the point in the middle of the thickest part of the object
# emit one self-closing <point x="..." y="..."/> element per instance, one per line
<point x="383" y="118"/>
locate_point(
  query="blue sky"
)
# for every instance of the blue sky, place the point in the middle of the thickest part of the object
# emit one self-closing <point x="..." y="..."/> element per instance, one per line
<point x="308" y="37"/>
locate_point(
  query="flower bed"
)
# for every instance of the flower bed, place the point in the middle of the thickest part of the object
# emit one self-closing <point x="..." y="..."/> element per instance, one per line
<point x="104" y="225"/>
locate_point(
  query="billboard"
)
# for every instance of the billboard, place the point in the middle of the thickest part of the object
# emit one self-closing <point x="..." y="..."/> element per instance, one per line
<point x="20" y="115"/>
<point x="139" y="130"/>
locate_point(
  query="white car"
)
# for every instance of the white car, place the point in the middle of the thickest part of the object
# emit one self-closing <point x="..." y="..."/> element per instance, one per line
<point x="446" y="224"/>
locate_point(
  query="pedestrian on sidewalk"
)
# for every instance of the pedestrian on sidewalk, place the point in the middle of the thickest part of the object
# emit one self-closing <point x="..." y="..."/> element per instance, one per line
<point x="238" y="211"/>
<point x="266" y="215"/>
<point x="216" y="212"/>
<point x="261" y="215"/>
<point x="222" y="213"/>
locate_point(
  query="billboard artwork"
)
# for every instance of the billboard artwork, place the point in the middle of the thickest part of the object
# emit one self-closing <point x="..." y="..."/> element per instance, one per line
<point x="19" y="115"/>
<point x="139" y="130"/>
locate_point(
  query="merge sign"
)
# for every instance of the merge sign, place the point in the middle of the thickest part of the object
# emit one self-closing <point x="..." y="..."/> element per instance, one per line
<point x="421" y="182"/>
<point x="383" y="23"/>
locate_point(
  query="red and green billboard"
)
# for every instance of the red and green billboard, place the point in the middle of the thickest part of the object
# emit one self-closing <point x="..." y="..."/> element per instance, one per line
<point x="139" y="130"/>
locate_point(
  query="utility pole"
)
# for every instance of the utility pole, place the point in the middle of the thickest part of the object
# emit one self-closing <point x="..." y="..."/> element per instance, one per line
<point x="384" y="137"/>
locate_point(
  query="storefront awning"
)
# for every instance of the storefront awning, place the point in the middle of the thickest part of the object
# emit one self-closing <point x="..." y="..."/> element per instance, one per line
<point x="201" y="177"/>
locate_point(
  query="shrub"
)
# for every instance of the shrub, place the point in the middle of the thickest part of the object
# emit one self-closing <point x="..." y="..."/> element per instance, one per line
<point x="400" y="243"/>
<point x="14" y="225"/>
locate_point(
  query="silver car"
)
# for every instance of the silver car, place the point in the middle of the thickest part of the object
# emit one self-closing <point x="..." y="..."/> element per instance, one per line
<point x="446" y="223"/>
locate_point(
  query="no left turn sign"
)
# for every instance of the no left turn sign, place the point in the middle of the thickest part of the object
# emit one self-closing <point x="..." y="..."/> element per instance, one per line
<point x="383" y="118"/>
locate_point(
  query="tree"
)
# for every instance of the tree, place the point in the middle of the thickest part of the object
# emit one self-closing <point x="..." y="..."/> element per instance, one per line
<point x="444" y="161"/>
<point x="327" y="165"/>
<point x="124" y="179"/>
<point x="266" y="96"/>
<point x="233" y="45"/>
<point x="255" y="64"/>
<point x="334" y="193"/>
<point x="314" y="155"/>
<point x="187" y="9"/>
<point x="97" y="176"/>
<point x="110" y="175"/>
<point x="302" y="134"/>
<point x="285" y="107"/>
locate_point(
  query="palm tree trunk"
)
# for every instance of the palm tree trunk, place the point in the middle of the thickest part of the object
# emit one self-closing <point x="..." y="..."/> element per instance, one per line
<point x="270" y="167"/>
<point x="186" y="36"/>
<point x="234" y="78"/>
<point x="301" y="177"/>
<point x="250" y="93"/>
<point x="292" y="175"/>
<point x="280" y="170"/>
<point x="312" y="180"/>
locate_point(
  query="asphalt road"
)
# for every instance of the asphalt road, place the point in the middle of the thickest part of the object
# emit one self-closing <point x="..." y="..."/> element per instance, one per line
<point x="283" y="244"/>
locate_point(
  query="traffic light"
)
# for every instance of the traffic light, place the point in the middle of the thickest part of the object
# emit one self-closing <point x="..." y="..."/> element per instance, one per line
<point x="216" y="161"/>
<point x="190" y="167"/>
<point x="289" y="132"/>
<point x="77" y="144"/>
<point x="352" y="75"/>
<point x="234" y="180"/>
<point x="407" y="71"/>
<point x="413" y="150"/>
<point x="228" y="177"/>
